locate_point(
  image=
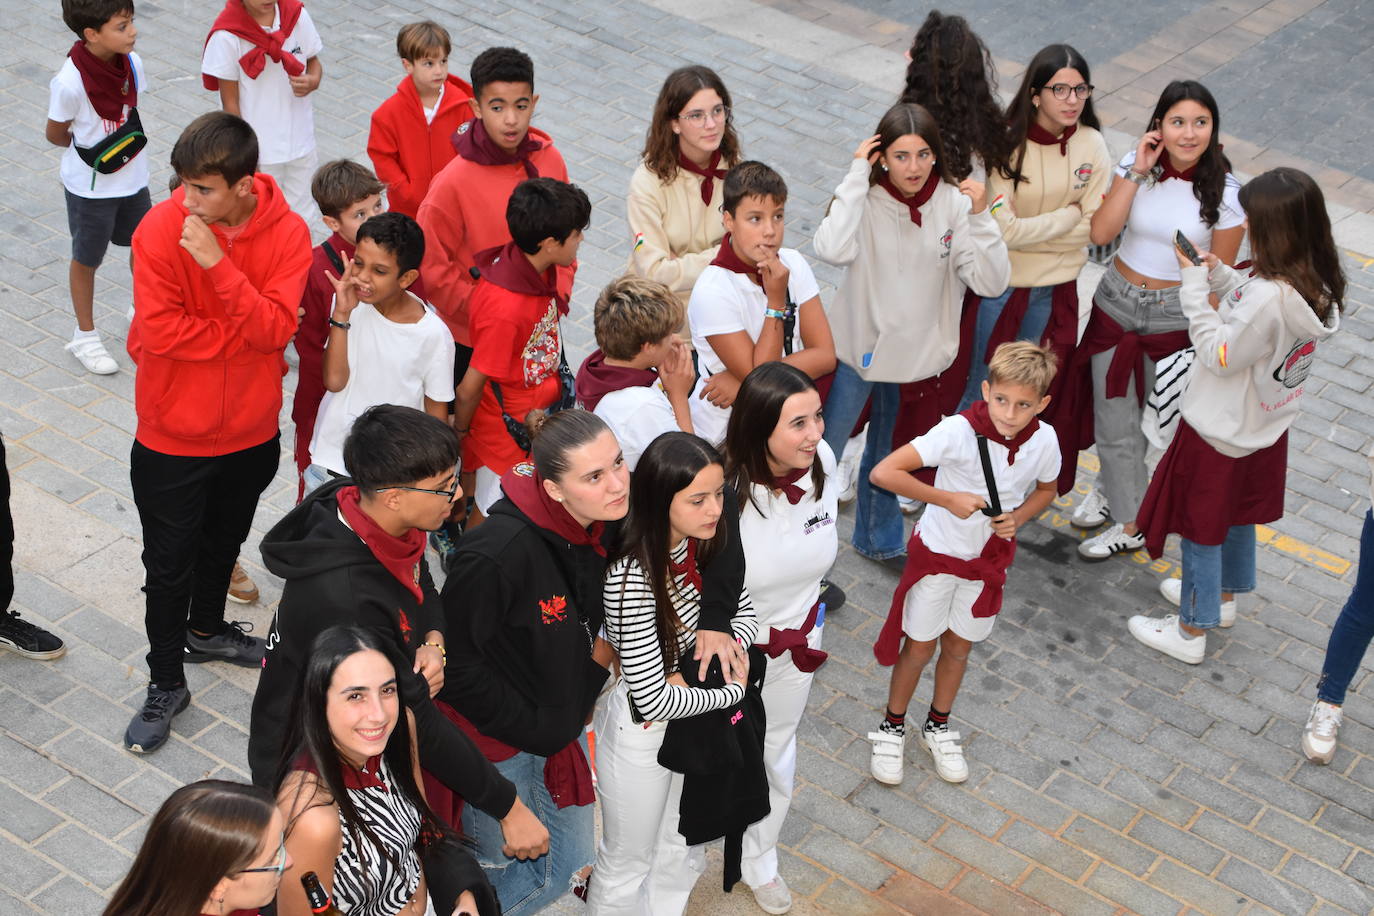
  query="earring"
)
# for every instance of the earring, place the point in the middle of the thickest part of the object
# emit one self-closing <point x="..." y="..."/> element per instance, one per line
<point x="884" y="166"/>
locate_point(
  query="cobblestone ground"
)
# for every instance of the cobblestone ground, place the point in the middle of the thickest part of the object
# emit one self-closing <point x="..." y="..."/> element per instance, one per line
<point x="1104" y="779"/>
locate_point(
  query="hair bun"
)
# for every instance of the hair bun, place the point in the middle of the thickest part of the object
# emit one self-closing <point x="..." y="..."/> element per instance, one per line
<point x="535" y="420"/>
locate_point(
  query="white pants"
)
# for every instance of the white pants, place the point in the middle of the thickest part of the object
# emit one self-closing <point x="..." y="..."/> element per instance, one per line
<point x="486" y="489"/>
<point x="643" y="864"/>
<point x="785" y="691"/>
<point x="294" y="179"/>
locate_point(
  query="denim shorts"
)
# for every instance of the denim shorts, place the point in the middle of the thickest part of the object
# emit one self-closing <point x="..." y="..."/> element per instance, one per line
<point x="98" y="222"/>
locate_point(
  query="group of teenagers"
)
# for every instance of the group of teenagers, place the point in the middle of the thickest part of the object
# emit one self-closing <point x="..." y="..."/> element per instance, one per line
<point x="642" y="545"/>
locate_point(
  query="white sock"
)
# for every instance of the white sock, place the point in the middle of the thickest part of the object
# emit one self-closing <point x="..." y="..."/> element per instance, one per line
<point x="79" y="334"/>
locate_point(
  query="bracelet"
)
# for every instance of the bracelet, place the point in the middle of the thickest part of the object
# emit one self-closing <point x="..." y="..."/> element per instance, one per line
<point x="342" y="325"/>
<point x="774" y="313"/>
<point x="1135" y="177"/>
<point x="440" y="647"/>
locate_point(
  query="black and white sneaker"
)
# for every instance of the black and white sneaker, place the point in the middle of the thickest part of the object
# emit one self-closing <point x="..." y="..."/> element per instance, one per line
<point x="832" y="596"/>
<point x="23" y="638"/>
<point x="1092" y="512"/>
<point x="1112" y="541"/>
<point x="233" y="645"/>
<point x="149" y="729"/>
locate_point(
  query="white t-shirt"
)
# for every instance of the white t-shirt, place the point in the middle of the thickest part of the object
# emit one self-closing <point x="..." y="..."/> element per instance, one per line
<point x="952" y="448"/>
<point x="724" y="302"/>
<point x="637" y="415"/>
<point x="285" y="124"/>
<point x="67" y="101"/>
<point x="787" y="549"/>
<point x="388" y="363"/>
<point x="1168" y="207"/>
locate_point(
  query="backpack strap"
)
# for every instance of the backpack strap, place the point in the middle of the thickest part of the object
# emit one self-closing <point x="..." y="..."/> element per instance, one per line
<point x="994" y="506"/>
<point x="333" y="256"/>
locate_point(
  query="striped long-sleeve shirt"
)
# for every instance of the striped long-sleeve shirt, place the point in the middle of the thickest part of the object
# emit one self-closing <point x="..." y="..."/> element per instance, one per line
<point x="630" y="629"/>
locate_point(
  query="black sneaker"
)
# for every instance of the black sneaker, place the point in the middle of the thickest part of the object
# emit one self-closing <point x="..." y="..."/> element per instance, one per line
<point x="23" y="638"/>
<point x="233" y="645"/>
<point x="832" y="596"/>
<point x="149" y="729"/>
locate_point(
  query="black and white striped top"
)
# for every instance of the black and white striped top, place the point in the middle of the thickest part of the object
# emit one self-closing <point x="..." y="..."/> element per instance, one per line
<point x="366" y="883"/>
<point x="630" y="629"/>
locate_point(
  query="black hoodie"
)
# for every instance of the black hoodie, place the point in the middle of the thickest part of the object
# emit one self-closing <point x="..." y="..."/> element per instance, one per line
<point x="333" y="578"/>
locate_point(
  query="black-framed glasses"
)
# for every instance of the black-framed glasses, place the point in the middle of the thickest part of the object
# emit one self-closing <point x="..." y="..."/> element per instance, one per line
<point x="697" y="116"/>
<point x="1061" y="90"/>
<point x="279" y="867"/>
<point x="451" y="492"/>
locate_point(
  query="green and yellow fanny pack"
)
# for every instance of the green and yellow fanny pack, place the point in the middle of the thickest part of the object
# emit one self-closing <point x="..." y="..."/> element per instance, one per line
<point x="116" y="149"/>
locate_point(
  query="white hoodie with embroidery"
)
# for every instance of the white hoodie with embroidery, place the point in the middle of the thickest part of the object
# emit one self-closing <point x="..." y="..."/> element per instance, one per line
<point x="896" y="316"/>
<point x="1254" y="353"/>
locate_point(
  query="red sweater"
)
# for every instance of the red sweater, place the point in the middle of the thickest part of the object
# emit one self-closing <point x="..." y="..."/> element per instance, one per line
<point x="407" y="151"/>
<point x="208" y="343"/>
<point x="464" y="213"/>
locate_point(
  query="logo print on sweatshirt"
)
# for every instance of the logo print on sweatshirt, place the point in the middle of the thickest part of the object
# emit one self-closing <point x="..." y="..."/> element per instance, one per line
<point x="524" y="469"/>
<point x="463" y="128"/>
<point x="1293" y="371"/>
<point x="405" y="623"/>
<point x="553" y="610"/>
<point x="818" y="521"/>
<point x="1084" y="172"/>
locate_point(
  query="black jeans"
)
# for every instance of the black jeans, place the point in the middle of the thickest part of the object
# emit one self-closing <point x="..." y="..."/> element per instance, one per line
<point x="196" y="513"/>
<point x="6" y="536"/>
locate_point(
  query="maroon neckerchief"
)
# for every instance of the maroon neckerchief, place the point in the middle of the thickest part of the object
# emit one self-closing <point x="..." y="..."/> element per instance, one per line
<point x="978" y="418"/>
<point x="1167" y="165"/>
<point x="110" y="85"/>
<point x="525" y="488"/>
<point x="367" y="778"/>
<point x="687" y="569"/>
<point x="793" y="640"/>
<point x="400" y="555"/>
<point x="234" y="18"/>
<point x="787" y="483"/>
<point x="708" y="174"/>
<point x="913" y="203"/>
<point x="595" y="379"/>
<point x="474" y="144"/>
<point x="1038" y="134"/>
<point x="509" y="268"/>
<point x="727" y="258"/>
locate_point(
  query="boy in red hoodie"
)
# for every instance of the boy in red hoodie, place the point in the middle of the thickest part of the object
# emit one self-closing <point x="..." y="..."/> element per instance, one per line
<point x="219" y="268"/>
<point x="412" y="132"/>
<point x="516" y="338"/>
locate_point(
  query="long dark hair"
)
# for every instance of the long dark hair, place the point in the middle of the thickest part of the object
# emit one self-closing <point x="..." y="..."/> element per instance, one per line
<point x="754" y="416"/>
<point x="904" y="119"/>
<point x="952" y="75"/>
<point x="1209" y="182"/>
<point x="203" y="832"/>
<point x="1290" y="236"/>
<point x="660" y="143"/>
<point x="668" y="465"/>
<point x="308" y="741"/>
<point x="1021" y="112"/>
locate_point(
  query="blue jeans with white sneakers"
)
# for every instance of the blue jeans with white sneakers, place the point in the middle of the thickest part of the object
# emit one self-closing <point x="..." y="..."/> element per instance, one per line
<point x="879" y="532"/>
<point x="1210" y="569"/>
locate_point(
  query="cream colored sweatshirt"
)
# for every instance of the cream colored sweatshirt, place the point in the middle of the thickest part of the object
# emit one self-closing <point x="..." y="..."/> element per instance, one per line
<point x="896" y="316"/>
<point x="1046" y="237"/>
<point x="674" y="235"/>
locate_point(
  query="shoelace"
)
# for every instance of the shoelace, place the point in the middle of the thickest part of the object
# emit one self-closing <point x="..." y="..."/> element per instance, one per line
<point x="236" y="631"/>
<point x="157" y="704"/>
<point x="1325" y="721"/>
<point x="19" y="625"/>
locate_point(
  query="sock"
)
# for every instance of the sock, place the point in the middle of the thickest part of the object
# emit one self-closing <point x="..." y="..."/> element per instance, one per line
<point x="893" y="723"/>
<point x="79" y="334"/>
<point x="1185" y="634"/>
<point x="936" y="719"/>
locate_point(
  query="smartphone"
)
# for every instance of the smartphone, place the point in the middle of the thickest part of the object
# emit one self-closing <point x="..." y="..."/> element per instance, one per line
<point x="1186" y="247"/>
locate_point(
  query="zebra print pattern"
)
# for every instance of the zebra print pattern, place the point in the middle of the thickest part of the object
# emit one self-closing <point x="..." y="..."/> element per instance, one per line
<point x="366" y="883"/>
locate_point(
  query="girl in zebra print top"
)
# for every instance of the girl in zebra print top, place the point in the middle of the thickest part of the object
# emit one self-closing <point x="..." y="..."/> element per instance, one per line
<point x="350" y="788"/>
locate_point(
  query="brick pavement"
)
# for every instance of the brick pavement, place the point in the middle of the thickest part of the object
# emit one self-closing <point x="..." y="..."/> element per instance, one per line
<point x="1104" y="779"/>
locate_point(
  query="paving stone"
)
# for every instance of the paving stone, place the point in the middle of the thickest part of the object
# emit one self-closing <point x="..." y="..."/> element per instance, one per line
<point x="1207" y="791"/>
<point x="1135" y="896"/>
<point x="1024" y="802"/>
<point x="68" y="896"/>
<point x="1091" y="801"/>
<point x="915" y="858"/>
<point x="1113" y="847"/>
<point x="1313" y="842"/>
<point x="1046" y="850"/>
<point x="1204" y="894"/>
<point x="86" y="856"/>
<point x="992" y="897"/>
<point x="1176" y="843"/>
<point x="988" y="857"/>
<point x="1061" y="896"/>
<point x="1336" y="887"/>
<point x="93" y="807"/>
<point x="27" y="769"/>
<point x="1270" y="891"/>
<point x="855" y="863"/>
<point x="896" y="809"/>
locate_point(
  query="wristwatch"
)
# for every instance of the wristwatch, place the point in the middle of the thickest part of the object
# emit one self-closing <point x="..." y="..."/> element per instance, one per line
<point x="342" y="325"/>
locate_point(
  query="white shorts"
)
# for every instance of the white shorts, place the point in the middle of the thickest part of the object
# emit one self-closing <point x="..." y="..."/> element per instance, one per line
<point x="486" y="490"/>
<point x="944" y="602"/>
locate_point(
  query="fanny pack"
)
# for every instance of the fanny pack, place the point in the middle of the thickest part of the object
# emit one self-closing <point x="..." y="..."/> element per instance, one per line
<point x="566" y="399"/>
<point x="117" y="149"/>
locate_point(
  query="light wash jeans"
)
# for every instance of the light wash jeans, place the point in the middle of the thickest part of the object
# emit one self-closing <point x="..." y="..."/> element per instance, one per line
<point x="1210" y="569"/>
<point x="879" y="531"/>
<point x="989" y="310"/>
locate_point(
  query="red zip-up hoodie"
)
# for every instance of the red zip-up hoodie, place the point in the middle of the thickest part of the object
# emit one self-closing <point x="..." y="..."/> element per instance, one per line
<point x="464" y="213"/>
<point x="407" y="151"/>
<point x="208" y="343"/>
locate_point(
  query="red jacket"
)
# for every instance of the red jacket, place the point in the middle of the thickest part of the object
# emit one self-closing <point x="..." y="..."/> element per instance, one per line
<point x="316" y="303"/>
<point x="464" y="213"/>
<point x="406" y="151"/>
<point x="208" y="343"/>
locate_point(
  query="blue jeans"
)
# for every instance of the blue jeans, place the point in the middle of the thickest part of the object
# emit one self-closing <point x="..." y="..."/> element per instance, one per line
<point x="879" y="532"/>
<point x="1354" y="628"/>
<point x="1210" y="569"/>
<point x="989" y="310"/>
<point x="531" y="885"/>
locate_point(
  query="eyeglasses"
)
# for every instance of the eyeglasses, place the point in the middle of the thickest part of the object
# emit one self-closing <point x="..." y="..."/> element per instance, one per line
<point x="697" y="116"/>
<point x="1062" y="90"/>
<point x="279" y="867"/>
<point x="450" y="493"/>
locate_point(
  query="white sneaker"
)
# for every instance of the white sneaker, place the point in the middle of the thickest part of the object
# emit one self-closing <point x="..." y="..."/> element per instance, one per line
<point x="1319" y="737"/>
<point x="885" y="762"/>
<point x="1112" y="541"/>
<point x="1163" y="635"/>
<point x="773" y="897"/>
<point x="848" y="471"/>
<point x="1092" y="512"/>
<point x="909" y="506"/>
<point x="944" y="748"/>
<point x="93" y="355"/>
<point x="1172" y="590"/>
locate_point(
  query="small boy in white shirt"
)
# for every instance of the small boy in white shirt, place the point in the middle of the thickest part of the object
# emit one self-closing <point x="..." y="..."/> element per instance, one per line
<point x="959" y="553"/>
<point x="385" y="345"/>
<point x="263" y="57"/>
<point x="756" y="302"/>
<point x="639" y="379"/>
